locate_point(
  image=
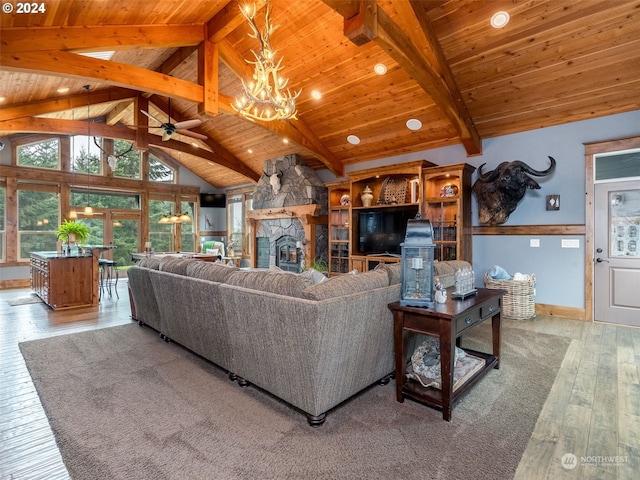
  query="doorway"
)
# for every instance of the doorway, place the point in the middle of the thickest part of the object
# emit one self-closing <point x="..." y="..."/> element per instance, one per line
<point x="617" y="252"/>
<point x="612" y="183"/>
<point x="114" y="228"/>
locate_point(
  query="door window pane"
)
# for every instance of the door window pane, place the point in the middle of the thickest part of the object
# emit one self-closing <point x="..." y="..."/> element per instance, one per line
<point x="624" y="223"/>
<point x="38" y="219"/>
<point x="125" y="239"/>
<point x="188" y="235"/>
<point x="160" y="234"/>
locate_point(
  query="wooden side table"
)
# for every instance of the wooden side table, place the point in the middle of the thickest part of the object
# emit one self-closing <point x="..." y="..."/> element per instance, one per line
<point x="447" y="321"/>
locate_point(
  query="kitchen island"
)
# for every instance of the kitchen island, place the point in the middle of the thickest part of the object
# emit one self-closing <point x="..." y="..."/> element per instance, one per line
<point x="66" y="281"/>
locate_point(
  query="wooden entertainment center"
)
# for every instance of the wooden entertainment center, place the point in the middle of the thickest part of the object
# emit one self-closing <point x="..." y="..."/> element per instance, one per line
<point x="363" y="234"/>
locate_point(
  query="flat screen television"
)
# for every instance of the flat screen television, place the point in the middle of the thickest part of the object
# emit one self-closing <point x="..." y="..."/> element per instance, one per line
<point x="215" y="200"/>
<point x="382" y="231"/>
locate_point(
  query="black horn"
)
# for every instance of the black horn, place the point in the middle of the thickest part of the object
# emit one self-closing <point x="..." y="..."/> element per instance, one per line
<point x="488" y="176"/>
<point x="537" y="173"/>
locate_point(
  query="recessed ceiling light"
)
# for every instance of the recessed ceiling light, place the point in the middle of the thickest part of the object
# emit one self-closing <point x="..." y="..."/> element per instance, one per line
<point x="316" y="94"/>
<point x="499" y="19"/>
<point x="2" y="99"/>
<point x="380" y="68"/>
<point x="249" y="150"/>
<point x="285" y="140"/>
<point x="414" y="124"/>
<point x="353" y="139"/>
<point x="63" y="90"/>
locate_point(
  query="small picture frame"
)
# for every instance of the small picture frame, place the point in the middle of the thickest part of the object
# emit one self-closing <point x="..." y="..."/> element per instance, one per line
<point x="553" y="202"/>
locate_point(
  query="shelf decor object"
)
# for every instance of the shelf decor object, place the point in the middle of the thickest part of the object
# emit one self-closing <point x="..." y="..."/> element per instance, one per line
<point x="417" y="265"/>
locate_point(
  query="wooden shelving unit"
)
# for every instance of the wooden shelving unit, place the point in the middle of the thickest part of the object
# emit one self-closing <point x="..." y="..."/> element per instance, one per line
<point x="441" y="194"/>
<point x="447" y="204"/>
<point x="339" y="227"/>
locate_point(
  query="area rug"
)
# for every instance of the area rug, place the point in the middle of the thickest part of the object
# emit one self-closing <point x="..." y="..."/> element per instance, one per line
<point x="124" y="404"/>
<point x="31" y="299"/>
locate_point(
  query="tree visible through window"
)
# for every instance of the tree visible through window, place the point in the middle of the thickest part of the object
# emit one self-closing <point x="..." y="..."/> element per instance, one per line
<point x="42" y="154"/>
<point x="38" y="217"/>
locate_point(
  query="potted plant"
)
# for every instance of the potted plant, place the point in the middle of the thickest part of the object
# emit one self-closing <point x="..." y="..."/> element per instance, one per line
<point x="71" y="231"/>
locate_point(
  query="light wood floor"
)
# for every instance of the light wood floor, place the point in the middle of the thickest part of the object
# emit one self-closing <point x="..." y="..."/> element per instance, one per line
<point x="593" y="409"/>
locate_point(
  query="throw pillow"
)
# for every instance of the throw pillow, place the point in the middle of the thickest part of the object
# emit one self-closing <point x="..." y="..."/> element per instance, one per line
<point x="347" y="284"/>
<point x="212" y="251"/>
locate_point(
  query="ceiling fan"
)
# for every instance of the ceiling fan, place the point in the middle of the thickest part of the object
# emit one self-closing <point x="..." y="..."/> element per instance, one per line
<point x="168" y="128"/>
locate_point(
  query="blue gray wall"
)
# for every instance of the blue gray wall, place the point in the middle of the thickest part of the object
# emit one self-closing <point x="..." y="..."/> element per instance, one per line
<point x="559" y="271"/>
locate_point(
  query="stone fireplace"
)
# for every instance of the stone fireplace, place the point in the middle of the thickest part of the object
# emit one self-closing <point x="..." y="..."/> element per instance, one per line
<point x="289" y="215"/>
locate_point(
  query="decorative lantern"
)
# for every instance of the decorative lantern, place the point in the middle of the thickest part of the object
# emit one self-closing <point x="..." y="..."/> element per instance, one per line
<point x="417" y="264"/>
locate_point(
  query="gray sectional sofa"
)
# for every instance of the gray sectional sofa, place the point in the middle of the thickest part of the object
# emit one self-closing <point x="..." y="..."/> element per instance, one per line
<point x="311" y="344"/>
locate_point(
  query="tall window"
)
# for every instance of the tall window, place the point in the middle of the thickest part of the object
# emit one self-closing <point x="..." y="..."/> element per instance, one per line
<point x="160" y="172"/>
<point x="188" y="231"/>
<point x="85" y="156"/>
<point x="127" y="164"/>
<point x="38" y="219"/>
<point x="238" y="228"/>
<point x="3" y="194"/>
<point x="41" y="154"/>
<point x="160" y="234"/>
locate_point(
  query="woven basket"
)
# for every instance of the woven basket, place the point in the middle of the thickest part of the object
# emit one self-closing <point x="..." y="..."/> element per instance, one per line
<point x="519" y="302"/>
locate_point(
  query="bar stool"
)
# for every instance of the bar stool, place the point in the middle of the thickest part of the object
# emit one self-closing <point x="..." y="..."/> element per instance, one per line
<point x="108" y="276"/>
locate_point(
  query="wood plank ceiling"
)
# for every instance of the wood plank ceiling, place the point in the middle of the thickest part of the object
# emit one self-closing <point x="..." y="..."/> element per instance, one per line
<point x="557" y="61"/>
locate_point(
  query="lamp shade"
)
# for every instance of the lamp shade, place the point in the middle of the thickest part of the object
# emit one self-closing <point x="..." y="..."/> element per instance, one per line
<point x="417" y="265"/>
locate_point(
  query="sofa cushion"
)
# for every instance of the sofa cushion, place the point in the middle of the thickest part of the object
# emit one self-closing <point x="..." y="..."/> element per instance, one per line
<point x="214" y="272"/>
<point x="289" y="284"/>
<point x="394" y="271"/>
<point x="176" y="265"/>
<point x="150" y="262"/>
<point x="347" y="284"/>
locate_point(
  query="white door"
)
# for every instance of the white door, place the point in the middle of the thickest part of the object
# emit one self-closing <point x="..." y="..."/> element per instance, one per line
<point x="617" y="253"/>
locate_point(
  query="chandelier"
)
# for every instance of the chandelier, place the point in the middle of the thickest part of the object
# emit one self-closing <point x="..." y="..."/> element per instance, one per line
<point x="266" y="97"/>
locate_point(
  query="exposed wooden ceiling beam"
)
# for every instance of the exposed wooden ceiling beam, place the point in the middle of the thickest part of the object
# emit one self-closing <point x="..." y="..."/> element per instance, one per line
<point x="453" y="100"/>
<point x="95" y="38"/>
<point x="67" y="64"/>
<point x="79" y="127"/>
<point x="366" y="21"/>
<point x="228" y="19"/>
<point x="43" y="107"/>
<point x="176" y="59"/>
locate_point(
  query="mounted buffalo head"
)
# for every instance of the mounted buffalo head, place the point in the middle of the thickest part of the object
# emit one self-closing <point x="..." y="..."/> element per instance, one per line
<point x="274" y="181"/>
<point x="499" y="191"/>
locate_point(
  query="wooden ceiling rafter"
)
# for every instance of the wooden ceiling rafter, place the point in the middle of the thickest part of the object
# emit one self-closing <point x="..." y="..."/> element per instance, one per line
<point x="69" y="102"/>
<point x="94" y="38"/>
<point x="365" y="21"/>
